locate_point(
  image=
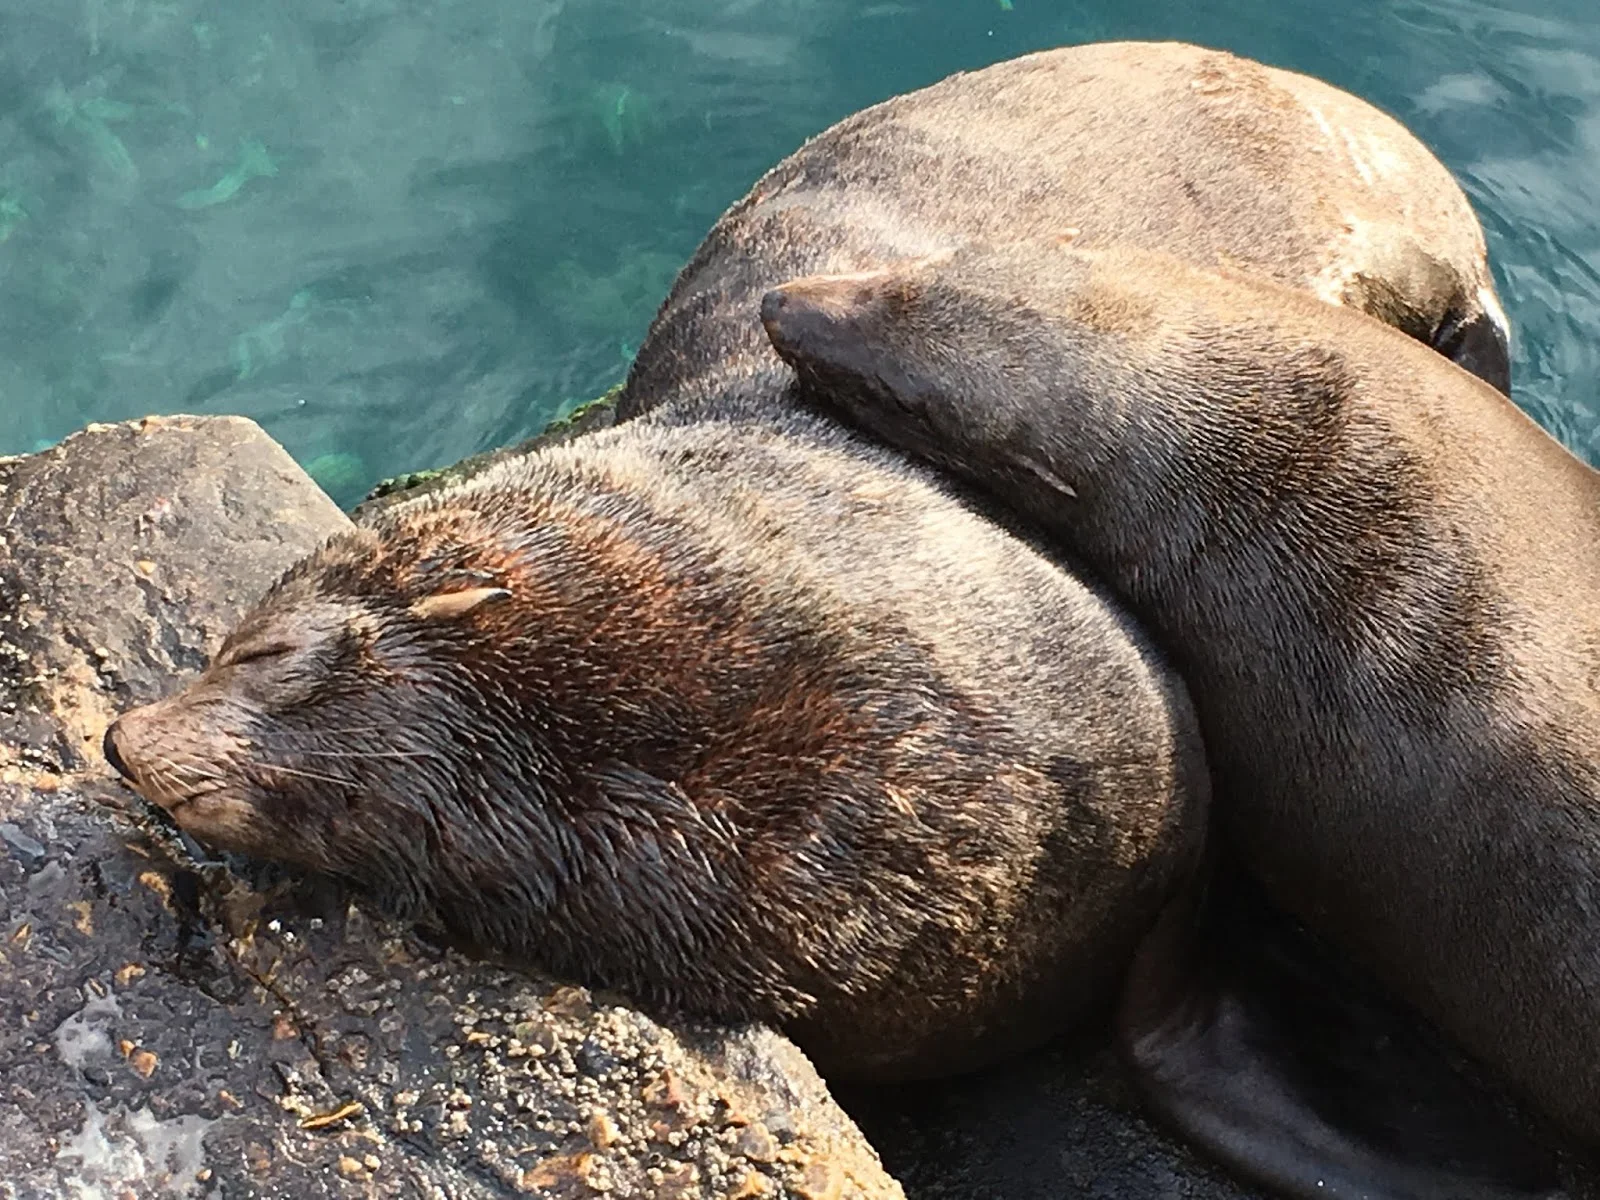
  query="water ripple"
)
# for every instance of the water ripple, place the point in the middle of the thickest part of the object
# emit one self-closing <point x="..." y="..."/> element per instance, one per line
<point x="400" y="231"/>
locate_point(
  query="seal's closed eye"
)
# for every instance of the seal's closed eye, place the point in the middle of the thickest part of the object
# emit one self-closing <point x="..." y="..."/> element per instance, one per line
<point x="253" y="652"/>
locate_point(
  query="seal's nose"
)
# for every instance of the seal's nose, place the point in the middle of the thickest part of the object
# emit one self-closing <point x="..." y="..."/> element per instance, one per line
<point x="792" y="319"/>
<point x="773" y="304"/>
<point x="113" y="756"/>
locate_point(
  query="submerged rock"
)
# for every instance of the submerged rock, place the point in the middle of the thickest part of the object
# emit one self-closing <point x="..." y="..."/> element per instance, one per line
<point x="171" y="1024"/>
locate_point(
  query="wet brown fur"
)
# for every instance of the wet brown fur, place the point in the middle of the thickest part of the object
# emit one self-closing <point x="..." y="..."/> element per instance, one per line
<point x="1377" y="576"/>
<point x="745" y="723"/>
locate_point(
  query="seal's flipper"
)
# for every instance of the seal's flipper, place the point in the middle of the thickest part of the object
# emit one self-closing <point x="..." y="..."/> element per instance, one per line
<point x="1251" y="1040"/>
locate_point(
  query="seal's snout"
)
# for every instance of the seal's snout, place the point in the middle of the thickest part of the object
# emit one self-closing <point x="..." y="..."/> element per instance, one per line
<point x="772" y="307"/>
<point x="114" y="755"/>
<point x="782" y="313"/>
<point x="804" y="314"/>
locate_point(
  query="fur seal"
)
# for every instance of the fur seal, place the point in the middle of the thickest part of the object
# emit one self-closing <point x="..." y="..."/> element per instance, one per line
<point x="740" y="720"/>
<point x="1376" y="574"/>
<point x="1199" y="153"/>
<point x="1230" y="162"/>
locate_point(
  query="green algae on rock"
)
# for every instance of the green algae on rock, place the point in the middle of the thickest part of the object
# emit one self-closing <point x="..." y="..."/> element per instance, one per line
<point x="590" y="415"/>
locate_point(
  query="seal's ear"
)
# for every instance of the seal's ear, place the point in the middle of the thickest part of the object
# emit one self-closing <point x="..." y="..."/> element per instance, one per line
<point x="446" y="606"/>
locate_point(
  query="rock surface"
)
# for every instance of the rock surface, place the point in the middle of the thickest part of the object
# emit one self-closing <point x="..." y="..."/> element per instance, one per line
<point x="173" y="1025"/>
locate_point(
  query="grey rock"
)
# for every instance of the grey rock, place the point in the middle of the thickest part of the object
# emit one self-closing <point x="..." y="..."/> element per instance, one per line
<point x="176" y="1025"/>
<point x="125" y="553"/>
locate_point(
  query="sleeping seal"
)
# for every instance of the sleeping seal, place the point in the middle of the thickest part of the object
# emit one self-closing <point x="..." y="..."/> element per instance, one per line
<point x="1377" y="576"/>
<point x="745" y="722"/>
<point x="723" y="772"/>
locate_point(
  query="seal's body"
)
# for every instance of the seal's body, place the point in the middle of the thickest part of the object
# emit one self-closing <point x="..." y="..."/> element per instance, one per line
<point x="735" y="712"/>
<point x="744" y="722"/>
<point x="1212" y="158"/>
<point x="1377" y="576"/>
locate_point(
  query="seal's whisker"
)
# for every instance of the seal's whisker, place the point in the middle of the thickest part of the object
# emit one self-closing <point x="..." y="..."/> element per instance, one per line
<point x="189" y="771"/>
<point x="296" y="771"/>
<point x="370" y="753"/>
<point x="197" y="767"/>
<point x="163" y="770"/>
<point x="267" y="734"/>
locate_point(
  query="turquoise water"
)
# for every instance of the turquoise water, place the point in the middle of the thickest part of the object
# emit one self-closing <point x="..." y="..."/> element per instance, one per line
<point x="396" y="232"/>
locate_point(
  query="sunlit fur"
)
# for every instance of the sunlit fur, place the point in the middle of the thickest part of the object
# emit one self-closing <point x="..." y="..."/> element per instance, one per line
<point x="1194" y="152"/>
<point x="743" y="722"/>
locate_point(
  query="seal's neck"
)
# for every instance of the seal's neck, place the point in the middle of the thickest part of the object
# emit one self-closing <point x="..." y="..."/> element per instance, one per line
<point x="752" y="384"/>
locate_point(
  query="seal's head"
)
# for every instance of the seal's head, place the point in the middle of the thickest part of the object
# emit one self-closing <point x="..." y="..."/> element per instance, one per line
<point x="468" y="707"/>
<point x="289" y="745"/>
<point x="953" y="357"/>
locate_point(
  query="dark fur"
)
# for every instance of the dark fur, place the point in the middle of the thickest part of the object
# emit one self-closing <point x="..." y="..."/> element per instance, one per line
<point x="1377" y="576"/>
<point x="767" y="727"/>
<point x="1198" y="153"/>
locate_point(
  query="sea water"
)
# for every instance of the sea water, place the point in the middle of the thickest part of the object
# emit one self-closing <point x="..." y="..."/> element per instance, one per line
<point x="396" y="232"/>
